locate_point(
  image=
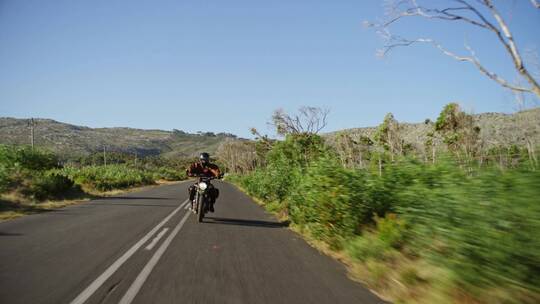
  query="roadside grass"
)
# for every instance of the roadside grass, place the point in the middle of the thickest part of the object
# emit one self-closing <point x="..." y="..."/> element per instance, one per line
<point x="401" y="279"/>
<point x="34" y="180"/>
<point x="400" y="273"/>
<point x="356" y="270"/>
<point x="14" y="205"/>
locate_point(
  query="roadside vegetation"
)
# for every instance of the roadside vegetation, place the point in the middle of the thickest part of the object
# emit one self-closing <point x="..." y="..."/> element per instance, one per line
<point x="454" y="221"/>
<point x="34" y="180"/>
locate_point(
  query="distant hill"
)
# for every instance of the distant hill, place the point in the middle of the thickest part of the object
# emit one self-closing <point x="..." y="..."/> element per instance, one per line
<point x="71" y="140"/>
<point x="495" y="129"/>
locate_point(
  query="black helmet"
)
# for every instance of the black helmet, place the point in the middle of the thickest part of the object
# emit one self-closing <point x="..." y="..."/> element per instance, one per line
<point x="204" y="158"/>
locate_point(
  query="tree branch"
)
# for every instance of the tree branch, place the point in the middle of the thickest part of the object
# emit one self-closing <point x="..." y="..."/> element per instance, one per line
<point x="472" y="59"/>
<point x="512" y="49"/>
<point x="411" y="8"/>
<point x="310" y="120"/>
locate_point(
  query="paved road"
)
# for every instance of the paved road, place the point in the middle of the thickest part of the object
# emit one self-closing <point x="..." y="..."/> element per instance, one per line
<point x="145" y="247"/>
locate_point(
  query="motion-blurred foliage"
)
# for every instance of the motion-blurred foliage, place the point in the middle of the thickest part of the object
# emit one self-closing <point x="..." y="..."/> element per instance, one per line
<point x="480" y="223"/>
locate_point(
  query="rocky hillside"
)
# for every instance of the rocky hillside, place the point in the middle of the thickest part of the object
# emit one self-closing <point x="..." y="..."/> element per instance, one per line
<point x="496" y="129"/>
<point x="72" y="140"/>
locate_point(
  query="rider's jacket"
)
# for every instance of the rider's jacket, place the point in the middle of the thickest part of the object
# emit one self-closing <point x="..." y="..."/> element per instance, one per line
<point x="209" y="170"/>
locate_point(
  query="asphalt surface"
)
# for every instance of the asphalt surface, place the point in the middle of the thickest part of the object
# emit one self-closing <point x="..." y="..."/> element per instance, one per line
<point x="145" y="247"/>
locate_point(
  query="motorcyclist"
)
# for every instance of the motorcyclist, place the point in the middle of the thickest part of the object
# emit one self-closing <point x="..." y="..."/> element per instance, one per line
<point x="204" y="168"/>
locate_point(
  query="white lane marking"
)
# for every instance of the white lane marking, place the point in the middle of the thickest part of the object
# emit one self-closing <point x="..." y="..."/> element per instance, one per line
<point x="85" y="294"/>
<point x="141" y="278"/>
<point x="156" y="239"/>
<point x="187" y="206"/>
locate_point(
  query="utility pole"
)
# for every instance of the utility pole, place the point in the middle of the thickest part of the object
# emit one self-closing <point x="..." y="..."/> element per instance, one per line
<point x="31" y="125"/>
<point x="104" y="156"/>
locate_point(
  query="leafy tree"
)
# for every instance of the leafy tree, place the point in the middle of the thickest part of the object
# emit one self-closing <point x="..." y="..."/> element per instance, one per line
<point x="238" y="156"/>
<point x="458" y="130"/>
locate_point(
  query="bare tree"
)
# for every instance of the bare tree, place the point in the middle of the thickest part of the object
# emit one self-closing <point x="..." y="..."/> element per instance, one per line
<point x="348" y="150"/>
<point x="389" y="136"/>
<point x="523" y="122"/>
<point x="481" y="14"/>
<point x="263" y="145"/>
<point x="309" y="120"/>
<point x="31" y="126"/>
<point x="237" y="155"/>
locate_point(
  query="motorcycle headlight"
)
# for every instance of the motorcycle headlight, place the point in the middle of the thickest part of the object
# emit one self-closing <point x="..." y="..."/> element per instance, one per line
<point x="203" y="186"/>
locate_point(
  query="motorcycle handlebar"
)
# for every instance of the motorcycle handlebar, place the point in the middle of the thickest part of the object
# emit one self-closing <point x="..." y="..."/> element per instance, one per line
<point x="207" y="177"/>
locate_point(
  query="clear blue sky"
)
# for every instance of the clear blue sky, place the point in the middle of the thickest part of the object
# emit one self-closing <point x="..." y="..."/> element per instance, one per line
<point x="226" y="65"/>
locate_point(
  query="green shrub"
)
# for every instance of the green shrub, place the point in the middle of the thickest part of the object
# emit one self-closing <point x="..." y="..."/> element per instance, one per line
<point x="380" y="243"/>
<point x="109" y="177"/>
<point x="169" y="174"/>
<point x="410" y="276"/>
<point x="25" y="167"/>
<point x="36" y="173"/>
<point x="329" y="201"/>
<point x="483" y="227"/>
<point x="391" y="230"/>
<point x="286" y="162"/>
<point x="4" y="179"/>
<point x="27" y="158"/>
<point x="47" y="185"/>
<point x="367" y="247"/>
<point x="477" y="226"/>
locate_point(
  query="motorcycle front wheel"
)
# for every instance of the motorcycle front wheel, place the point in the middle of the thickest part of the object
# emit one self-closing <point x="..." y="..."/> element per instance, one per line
<point x="195" y="203"/>
<point x="201" y="206"/>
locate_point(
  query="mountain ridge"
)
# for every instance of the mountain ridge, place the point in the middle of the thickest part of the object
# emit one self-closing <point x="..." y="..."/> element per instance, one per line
<point x="74" y="140"/>
<point x="496" y="129"/>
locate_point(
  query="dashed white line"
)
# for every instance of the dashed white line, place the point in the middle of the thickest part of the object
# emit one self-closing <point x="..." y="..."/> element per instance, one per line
<point x="85" y="294"/>
<point x="156" y="239"/>
<point x="141" y="278"/>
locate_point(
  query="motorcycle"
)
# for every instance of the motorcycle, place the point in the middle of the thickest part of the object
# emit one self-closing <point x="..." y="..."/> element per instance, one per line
<point x="202" y="197"/>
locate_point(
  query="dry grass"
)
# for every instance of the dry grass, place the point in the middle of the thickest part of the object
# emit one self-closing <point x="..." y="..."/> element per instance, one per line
<point x="14" y="205"/>
<point x="400" y="279"/>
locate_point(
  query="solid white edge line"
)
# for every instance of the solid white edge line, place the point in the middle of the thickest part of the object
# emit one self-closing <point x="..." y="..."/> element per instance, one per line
<point x="87" y="293"/>
<point x="156" y="239"/>
<point x="141" y="278"/>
